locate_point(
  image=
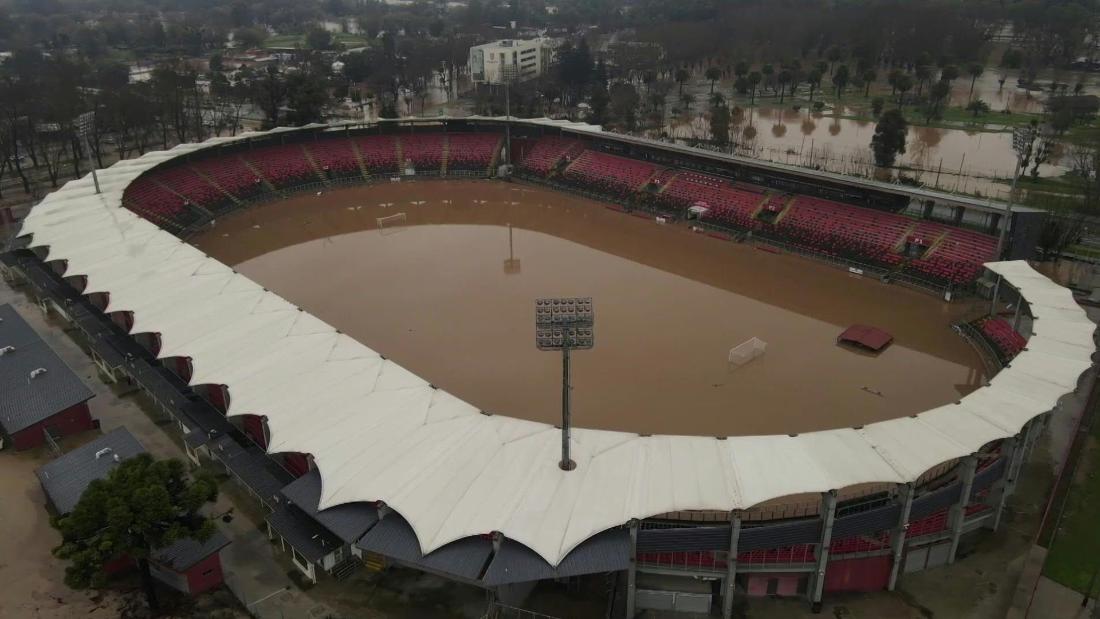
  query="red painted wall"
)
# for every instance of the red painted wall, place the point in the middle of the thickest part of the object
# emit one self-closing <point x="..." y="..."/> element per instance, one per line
<point x="254" y="427"/>
<point x="205" y="575"/>
<point x="296" y="463"/>
<point x="866" y="574"/>
<point x="72" y="420"/>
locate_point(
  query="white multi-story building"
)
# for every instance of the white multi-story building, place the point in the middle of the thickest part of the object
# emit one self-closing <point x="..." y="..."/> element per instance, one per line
<point x="510" y="60"/>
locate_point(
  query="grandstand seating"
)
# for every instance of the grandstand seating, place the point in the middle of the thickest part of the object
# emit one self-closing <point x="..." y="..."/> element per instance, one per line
<point x="151" y="200"/>
<point x="283" y="165"/>
<point x="231" y="174"/>
<point x="335" y="156"/>
<point x="928" y="525"/>
<point x="852" y="232"/>
<point x="379" y="153"/>
<point x="616" y="176"/>
<point x="547" y="152"/>
<point x="471" y="151"/>
<point x="186" y="182"/>
<point x="728" y="205"/>
<point x="424" y="150"/>
<point x="1004" y="338"/>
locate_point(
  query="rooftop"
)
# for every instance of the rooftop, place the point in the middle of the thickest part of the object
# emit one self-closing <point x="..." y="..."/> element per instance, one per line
<point x="35" y="384"/>
<point x="65" y="479"/>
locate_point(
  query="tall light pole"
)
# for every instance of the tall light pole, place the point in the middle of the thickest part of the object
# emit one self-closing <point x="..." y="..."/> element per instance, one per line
<point x="84" y="124"/>
<point x="565" y="324"/>
<point x="1022" y="140"/>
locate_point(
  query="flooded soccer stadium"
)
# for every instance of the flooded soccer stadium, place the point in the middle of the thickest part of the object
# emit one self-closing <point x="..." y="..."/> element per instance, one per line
<point x="446" y="287"/>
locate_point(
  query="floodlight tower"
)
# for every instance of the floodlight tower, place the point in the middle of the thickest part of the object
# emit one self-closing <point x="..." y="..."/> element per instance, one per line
<point x="565" y="324"/>
<point x="84" y="126"/>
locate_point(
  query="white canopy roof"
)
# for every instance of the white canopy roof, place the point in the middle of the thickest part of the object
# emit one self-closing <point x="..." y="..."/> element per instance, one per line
<point x="379" y="432"/>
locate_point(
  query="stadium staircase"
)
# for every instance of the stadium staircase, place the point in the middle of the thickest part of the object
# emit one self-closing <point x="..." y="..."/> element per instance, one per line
<point x="187" y="201"/>
<point x="216" y="185"/>
<point x="374" y="563"/>
<point x="400" y="153"/>
<point x="359" y="159"/>
<point x="344" y="569"/>
<point x="313" y="164"/>
<point x="260" y="175"/>
<point x="444" y="160"/>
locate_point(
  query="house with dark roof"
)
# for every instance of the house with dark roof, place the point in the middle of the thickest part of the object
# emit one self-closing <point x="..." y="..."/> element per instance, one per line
<point x="187" y="565"/>
<point x="39" y="393"/>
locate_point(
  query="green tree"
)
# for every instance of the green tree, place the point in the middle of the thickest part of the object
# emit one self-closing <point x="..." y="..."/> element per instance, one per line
<point x="889" y="138"/>
<point x="937" y="97"/>
<point x="975" y="70"/>
<point x="318" y="38"/>
<point x="143" y="505"/>
<point x="814" y="80"/>
<point x="869" y="77"/>
<point x="833" y="55"/>
<point x="903" y="84"/>
<point x="949" y="74"/>
<point x="876" y="105"/>
<point x="840" y="79"/>
<point x="768" y="71"/>
<point x="713" y="74"/>
<point x="923" y="73"/>
<point x="783" y="78"/>
<point x="754" y="81"/>
<point x="977" y="107"/>
<point x="249" y="38"/>
<point x="686" y="100"/>
<point x="682" y="76"/>
<point x="720" y="125"/>
<point x="741" y="69"/>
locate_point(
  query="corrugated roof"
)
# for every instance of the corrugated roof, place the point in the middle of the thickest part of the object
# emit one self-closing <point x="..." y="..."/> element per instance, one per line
<point x="348" y="522"/>
<point x="307" y="536"/>
<point x="380" y="433"/>
<point x="185" y="553"/>
<point x="28" y="395"/>
<point x="66" y="478"/>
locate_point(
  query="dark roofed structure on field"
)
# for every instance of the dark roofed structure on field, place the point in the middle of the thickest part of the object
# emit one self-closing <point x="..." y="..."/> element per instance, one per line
<point x="39" y="393"/>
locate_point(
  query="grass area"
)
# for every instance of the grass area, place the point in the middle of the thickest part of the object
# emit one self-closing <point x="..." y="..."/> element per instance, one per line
<point x="299" y="40"/>
<point x="1075" y="553"/>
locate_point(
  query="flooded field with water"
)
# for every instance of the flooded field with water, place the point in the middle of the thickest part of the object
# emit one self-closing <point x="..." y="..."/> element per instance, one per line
<point x="448" y="291"/>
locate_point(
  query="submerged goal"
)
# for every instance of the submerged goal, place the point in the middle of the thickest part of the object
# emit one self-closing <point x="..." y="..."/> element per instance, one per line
<point x="747" y="351"/>
<point x="391" y="223"/>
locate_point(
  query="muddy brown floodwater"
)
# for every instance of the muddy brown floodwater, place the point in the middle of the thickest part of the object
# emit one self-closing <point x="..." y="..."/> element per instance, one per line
<point x="450" y="296"/>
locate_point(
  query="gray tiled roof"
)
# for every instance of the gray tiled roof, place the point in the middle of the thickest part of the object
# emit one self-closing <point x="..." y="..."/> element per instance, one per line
<point x="348" y="522"/>
<point x="65" y="479"/>
<point x="394" y="538"/>
<point x="607" y="552"/>
<point x="185" y="553"/>
<point x="25" y="401"/>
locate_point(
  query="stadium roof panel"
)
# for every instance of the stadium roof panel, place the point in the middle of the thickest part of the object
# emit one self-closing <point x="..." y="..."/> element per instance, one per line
<point x="380" y="433"/>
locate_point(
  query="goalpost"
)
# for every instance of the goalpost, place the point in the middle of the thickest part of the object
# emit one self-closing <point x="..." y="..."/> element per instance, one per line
<point x="747" y="351"/>
<point x="391" y="223"/>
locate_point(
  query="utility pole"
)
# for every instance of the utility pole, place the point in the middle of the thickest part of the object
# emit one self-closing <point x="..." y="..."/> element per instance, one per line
<point x="84" y="124"/>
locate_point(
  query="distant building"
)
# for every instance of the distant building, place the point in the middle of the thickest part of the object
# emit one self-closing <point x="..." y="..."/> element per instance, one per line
<point x="38" y="392"/>
<point x="510" y="60"/>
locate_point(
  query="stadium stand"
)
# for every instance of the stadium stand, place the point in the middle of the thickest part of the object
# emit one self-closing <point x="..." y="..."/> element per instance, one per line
<point x="728" y="206"/>
<point x="231" y="174"/>
<point x="472" y="151"/>
<point x="196" y="189"/>
<point x="1004" y="338"/>
<point x="616" y="176"/>
<point x="424" y="150"/>
<point x="379" y="153"/>
<point x="283" y="165"/>
<point x="547" y="152"/>
<point x="336" y="157"/>
<point x="151" y="200"/>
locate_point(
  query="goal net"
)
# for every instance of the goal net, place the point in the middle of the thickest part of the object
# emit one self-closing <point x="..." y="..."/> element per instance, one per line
<point x="391" y="223"/>
<point x="747" y="351"/>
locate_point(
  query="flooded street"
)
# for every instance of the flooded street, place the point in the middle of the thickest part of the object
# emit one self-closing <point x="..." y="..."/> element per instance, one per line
<point x="449" y="297"/>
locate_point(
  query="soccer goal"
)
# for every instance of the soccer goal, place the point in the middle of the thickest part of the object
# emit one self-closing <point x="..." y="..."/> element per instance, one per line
<point x="747" y="351"/>
<point x="391" y="223"/>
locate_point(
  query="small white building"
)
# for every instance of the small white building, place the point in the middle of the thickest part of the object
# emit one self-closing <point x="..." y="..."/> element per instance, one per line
<point x="510" y="60"/>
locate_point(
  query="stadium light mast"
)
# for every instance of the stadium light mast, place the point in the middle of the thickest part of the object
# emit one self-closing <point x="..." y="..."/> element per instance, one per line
<point x="565" y="324"/>
<point x="1022" y="140"/>
<point x="84" y="124"/>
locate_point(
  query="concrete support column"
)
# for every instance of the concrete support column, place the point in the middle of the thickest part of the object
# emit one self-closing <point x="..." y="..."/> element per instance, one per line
<point x="730" y="584"/>
<point x="1012" y="451"/>
<point x="828" y="517"/>
<point x="897" y="536"/>
<point x="967" y="470"/>
<point x="993" y="300"/>
<point x="995" y="223"/>
<point x="632" y="570"/>
<point x="957" y="215"/>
